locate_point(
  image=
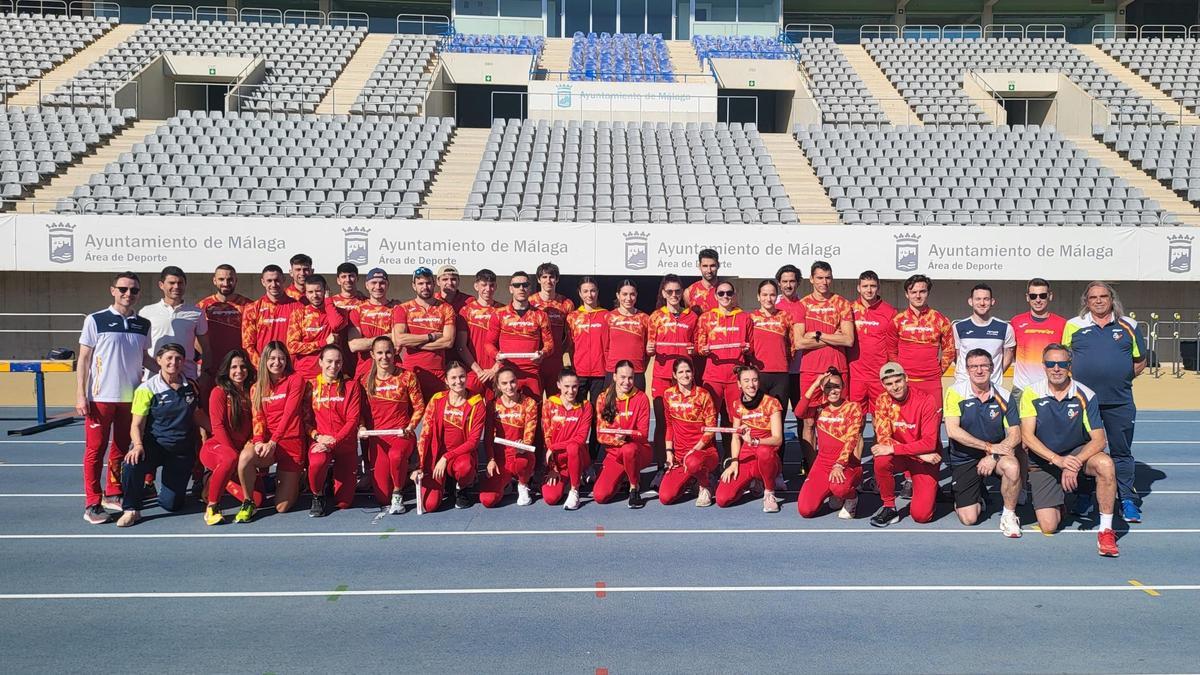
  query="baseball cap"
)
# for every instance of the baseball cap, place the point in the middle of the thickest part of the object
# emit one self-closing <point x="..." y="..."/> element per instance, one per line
<point x="377" y="273"/>
<point x="890" y="369"/>
<point x="447" y="269"/>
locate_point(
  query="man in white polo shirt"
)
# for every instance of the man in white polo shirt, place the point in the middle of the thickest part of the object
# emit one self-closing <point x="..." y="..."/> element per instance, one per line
<point x="112" y="353"/>
<point x="173" y="320"/>
<point x="983" y="331"/>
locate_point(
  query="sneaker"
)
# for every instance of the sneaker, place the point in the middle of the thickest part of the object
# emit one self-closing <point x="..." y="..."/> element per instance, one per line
<point x="905" y="490"/>
<point x="848" y="508"/>
<point x="112" y="503"/>
<point x="1010" y="526"/>
<point x="317" y="510"/>
<point x="869" y="486"/>
<point x="213" y="516"/>
<point x="245" y="513"/>
<point x="635" y="499"/>
<point x="704" y="497"/>
<point x="397" y="506"/>
<point x="572" y="500"/>
<point x="129" y="518"/>
<point x="886" y="516"/>
<point x="1106" y="544"/>
<point x="1130" y="511"/>
<point x="770" y="504"/>
<point x="96" y="515"/>
<point x="462" y="501"/>
<point x="1085" y="504"/>
<point x="523" y="498"/>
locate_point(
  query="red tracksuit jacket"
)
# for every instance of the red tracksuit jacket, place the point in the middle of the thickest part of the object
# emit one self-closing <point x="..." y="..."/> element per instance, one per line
<point x="633" y="412"/>
<point x="874" y="338"/>
<point x="589" y="340"/>
<point x="512" y="423"/>
<point x="335" y="409"/>
<point x="309" y="330"/>
<point x="280" y="417"/>
<point x="924" y="344"/>
<point x="396" y="403"/>
<point x="562" y="425"/>
<point x="687" y="415"/>
<point x="675" y="329"/>
<point x="451" y="430"/>
<point x="838" y="429"/>
<point x="627" y="335"/>
<point x="911" y="426"/>
<point x="518" y="333"/>
<point x="218" y="416"/>
<point x="264" y="321"/>
<point x="718" y="327"/>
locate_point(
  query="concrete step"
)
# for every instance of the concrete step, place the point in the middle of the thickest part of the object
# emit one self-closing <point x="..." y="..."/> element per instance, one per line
<point x="1153" y="189"/>
<point x="804" y="191"/>
<point x="355" y="75"/>
<point x="1162" y="102"/>
<point x="556" y="55"/>
<point x="452" y="184"/>
<point x="893" y="104"/>
<point x="683" y="57"/>
<point x="74" y="65"/>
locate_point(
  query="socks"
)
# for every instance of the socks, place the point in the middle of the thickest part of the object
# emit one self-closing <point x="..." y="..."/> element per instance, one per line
<point x="1006" y="512"/>
<point x="1106" y="521"/>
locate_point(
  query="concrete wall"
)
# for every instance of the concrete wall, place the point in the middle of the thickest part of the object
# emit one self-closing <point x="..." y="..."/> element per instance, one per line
<point x="764" y="28"/>
<point x="502" y="25"/>
<point x="755" y="74"/>
<point x="442" y="98"/>
<point x="623" y="101"/>
<point x="1073" y="110"/>
<point x="981" y="97"/>
<point x="490" y="69"/>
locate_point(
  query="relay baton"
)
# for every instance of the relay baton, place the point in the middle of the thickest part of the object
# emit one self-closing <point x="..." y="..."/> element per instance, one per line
<point x="732" y="345"/>
<point x="523" y="447"/>
<point x="719" y="430"/>
<point x="420" y="497"/>
<point x="367" y="433"/>
<point x="672" y="344"/>
<point x="503" y="356"/>
<point x="619" y="432"/>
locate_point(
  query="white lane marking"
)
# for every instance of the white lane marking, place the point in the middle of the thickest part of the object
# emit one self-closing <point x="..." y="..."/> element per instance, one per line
<point x="579" y="590"/>
<point x="43" y="494"/>
<point x="6" y="465"/>
<point x="1172" y="463"/>
<point x="42" y="442"/>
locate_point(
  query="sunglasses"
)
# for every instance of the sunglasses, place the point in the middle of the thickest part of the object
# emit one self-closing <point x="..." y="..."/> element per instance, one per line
<point x="725" y="294"/>
<point x="832" y="385"/>
<point x="519" y="284"/>
<point x="671" y="291"/>
<point x="422" y="272"/>
<point x="1039" y="296"/>
<point x="131" y="290"/>
<point x="1057" y="364"/>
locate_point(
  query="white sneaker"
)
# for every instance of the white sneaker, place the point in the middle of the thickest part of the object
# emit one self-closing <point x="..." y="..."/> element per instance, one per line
<point x="834" y="503"/>
<point x="397" y="506"/>
<point x="770" y="504"/>
<point x="704" y="498"/>
<point x="572" y="500"/>
<point x="523" y="498"/>
<point x="848" y="508"/>
<point x="1010" y="526"/>
<point x="112" y="503"/>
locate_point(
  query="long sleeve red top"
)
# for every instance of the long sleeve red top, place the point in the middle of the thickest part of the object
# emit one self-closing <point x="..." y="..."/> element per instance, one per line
<point x="924" y="343"/>
<point x="309" y="330"/>
<point x="562" y="425"/>
<point x="224" y="431"/>
<point x="874" y="337"/>
<point x="520" y="332"/>
<point x="516" y="422"/>
<point x="589" y="340"/>
<point x="396" y="402"/>
<point x="476" y="318"/>
<point x="672" y="329"/>
<point x="719" y="327"/>
<point x="371" y="320"/>
<point x="264" y="321"/>
<point x="280" y="418"/>
<point x="838" y="428"/>
<point x="335" y="407"/>
<point x="627" y="335"/>
<point x="451" y="430"/>
<point x="910" y="426"/>
<point x="633" y="413"/>
<point x="687" y="415"/>
<point x="771" y="341"/>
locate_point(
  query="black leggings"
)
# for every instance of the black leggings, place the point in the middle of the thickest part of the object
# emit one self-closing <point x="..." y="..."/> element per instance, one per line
<point x="777" y="385"/>
<point x="589" y="390"/>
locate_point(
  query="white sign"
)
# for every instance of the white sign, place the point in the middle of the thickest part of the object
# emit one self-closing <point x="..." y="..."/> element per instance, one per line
<point x="625" y="100"/>
<point x="199" y="244"/>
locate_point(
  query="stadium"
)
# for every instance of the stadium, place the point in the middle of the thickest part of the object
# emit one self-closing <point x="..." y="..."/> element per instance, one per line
<point x="988" y="159"/>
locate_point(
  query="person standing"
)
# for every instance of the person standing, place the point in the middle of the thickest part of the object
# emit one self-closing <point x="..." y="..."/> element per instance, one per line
<point x="370" y="319"/>
<point x="983" y="331"/>
<point x="771" y="342"/>
<point x="447" y="282"/>
<point x="112" y="354"/>
<point x="266" y="320"/>
<point x="701" y="296"/>
<point x="1107" y="352"/>
<point x="587" y="331"/>
<point x="1033" y="330"/>
<point x="314" y="324"/>
<point x="924" y="345"/>
<point x="789" y="300"/>
<point x="348" y="295"/>
<point x="874" y="340"/>
<point x="556" y="307"/>
<point x="723" y="338"/>
<point x="300" y="267"/>
<point x="628" y="334"/>
<point x="394" y="402"/>
<point x="518" y="328"/>
<point x="223" y="312"/>
<point x="824" y="333"/>
<point x="424" y="329"/>
<point x="172" y="320"/>
<point x="474" y="320"/>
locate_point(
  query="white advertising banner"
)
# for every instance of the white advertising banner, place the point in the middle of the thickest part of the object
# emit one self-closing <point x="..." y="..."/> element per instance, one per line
<point x="627" y="100"/>
<point x="198" y="244"/>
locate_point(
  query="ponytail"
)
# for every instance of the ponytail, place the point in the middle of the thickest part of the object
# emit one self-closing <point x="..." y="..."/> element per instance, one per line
<point x="375" y="366"/>
<point x="609" y="412"/>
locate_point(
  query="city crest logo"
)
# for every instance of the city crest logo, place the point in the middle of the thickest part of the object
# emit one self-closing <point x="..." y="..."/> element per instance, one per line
<point x="355" y="242"/>
<point x="62" y="242"/>
<point x="637" y="250"/>
<point x="563" y="96"/>
<point x="1179" y="253"/>
<point x="908" y="252"/>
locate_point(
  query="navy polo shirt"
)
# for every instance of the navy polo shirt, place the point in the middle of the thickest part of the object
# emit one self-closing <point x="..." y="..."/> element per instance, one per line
<point x="1062" y="425"/>
<point x="1102" y="356"/>
<point x="168" y="412"/>
<point x="988" y="420"/>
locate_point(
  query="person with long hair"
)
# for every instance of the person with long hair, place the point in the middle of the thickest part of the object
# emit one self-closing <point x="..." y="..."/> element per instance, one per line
<point x="623" y="428"/>
<point x="394" y="403"/>
<point x="837" y="471"/>
<point x="758" y="419"/>
<point x="723" y="337"/>
<point x="232" y="426"/>
<point x="628" y="332"/>
<point x="771" y="342"/>
<point x="512" y="417"/>
<point x="566" y="423"/>
<point x="335" y="409"/>
<point x="276" y="401"/>
<point x="672" y="337"/>
<point x="450" y="435"/>
<point x="688" y="408"/>
<point x="587" y="332"/>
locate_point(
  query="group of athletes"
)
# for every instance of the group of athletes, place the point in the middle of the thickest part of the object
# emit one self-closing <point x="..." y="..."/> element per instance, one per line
<point x="338" y="387"/>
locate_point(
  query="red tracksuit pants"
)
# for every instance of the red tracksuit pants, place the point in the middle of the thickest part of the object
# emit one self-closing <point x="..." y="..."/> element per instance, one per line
<point x="461" y="469"/>
<point x="512" y="463"/>
<point x="924" y="480"/>
<point x="105" y="422"/>
<point x="344" y="458"/>
<point x="817" y="488"/>
<point x="222" y="461"/>
<point x="568" y="461"/>
<point x="761" y="463"/>
<point x="621" y="463"/>
<point x="389" y="456"/>
<point x="695" y="464"/>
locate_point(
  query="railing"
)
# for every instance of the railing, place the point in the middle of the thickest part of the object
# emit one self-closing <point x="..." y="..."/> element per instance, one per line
<point x="1004" y="31"/>
<point x="214" y="13"/>
<point x="1166" y="339"/>
<point x="1010" y="31"/>
<point x="808" y="31"/>
<point x="349" y="19"/>
<point x="256" y="15"/>
<point x="1163" y="31"/>
<point x="623" y="78"/>
<point x="1124" y="31"/>
<point x="430" y="24"/>
<point x="962" y="31"/>
<point x="878" y="31"/>
<point x="304" y="17"/>
<point x="260" y="15"/>
<point x="42" y="7"/>
<point x="172" y="13"/>
<point x="96" y="8"/>
<point x="1045" y="31"/>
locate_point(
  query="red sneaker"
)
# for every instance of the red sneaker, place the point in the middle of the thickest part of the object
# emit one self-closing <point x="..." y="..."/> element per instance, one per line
<point x="1106" y="544"/>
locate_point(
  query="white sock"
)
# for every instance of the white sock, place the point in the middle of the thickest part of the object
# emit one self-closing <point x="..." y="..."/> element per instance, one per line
<point x="1006" y="512"/>
<point x="1106" y="521"/>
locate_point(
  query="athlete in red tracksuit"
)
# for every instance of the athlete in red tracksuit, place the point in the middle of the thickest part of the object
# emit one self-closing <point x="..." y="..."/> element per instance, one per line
<point x="672" y="336"/>
<point x="625" y="454"/>
<point x="369" y="319"/>
<point x="755" y="454"/>
<point x="907" y="423"/>
<point x="474" y="320"/>
<point x="232" y="426"/>
<point x="512" y="417"/>
<point x="449" y="441"/>
<point x="874" y="340"/>
<point x="566" y="424"/>
<point x="837" y="471"/>
<point x="429" y="326"/>
<point x="522" y="330"/>
<point x="335" y="408"/>
<point x="725" y="325"/>
<point x="267" y="319"/>
<point x="691" y="454"/>
<point x="556" y="307"/>
<point x="394" y="401"/>
<point x="224" y="313"/>
<point x="924" y="339"/>
<point x="278" y="401"/>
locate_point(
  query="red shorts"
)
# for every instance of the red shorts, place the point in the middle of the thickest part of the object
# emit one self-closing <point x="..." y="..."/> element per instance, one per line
<point x="290" y="455"/>
<point x="429" y="381"/>
<point x="659" y="386"/>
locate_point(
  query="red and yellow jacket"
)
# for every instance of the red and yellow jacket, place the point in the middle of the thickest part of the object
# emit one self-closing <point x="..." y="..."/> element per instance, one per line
<point x="519" y="333"/>
<point x="759" y="419"/>
<point x="335" y="409"/>
<point x="309" y="330"/>
<point x="910" y="426"/>
<point x="718" y="327"/>
<point x="633" y="413"/>
<point x="396" y="403"/>
<point x="687" y="415"/>
<point x="451" y="430"/>
<point x="838" y="428"/>
<point x="589" y="340"/>
<point x="265" y="321"/>
<point x="512" y="423"/>
<point x="675" y="329"/>
<point x="924" y="344"/>
<point x="562" y="425"/>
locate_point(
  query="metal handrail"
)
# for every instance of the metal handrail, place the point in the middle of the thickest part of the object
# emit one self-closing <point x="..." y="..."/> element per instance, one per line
<point x="426" y="20"/>
<point x="1114" y="31"/>
<point x="1163" y="31"/>
<point x="808" y="31"/>
<point x="1004" y="31"/>
<point x="301" y="17"/>
<point x="878" y="31"/>
<point x="919" y="31"/>
<point x="259" y="15"/>
<point x="1193" y="32"/>
<point x="223" y="14"/>
<point x="96" y="8"/>
<point x="27" y="6"/>
<point x="349" y="19"/>
<point x="170" y="12"/>
<point x="962" y="31"/>
<point x="1045" y="31"/>
<point x="594" y="76"/>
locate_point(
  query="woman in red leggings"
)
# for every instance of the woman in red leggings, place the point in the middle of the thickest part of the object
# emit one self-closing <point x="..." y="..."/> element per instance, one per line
<point x="232" y="427"/>
<point x="335" y="409"/>
<point x="449" y="442"/>
<point x="723" y="337"/>
<point x="512" y="417"/>
<point x="624" y="411"/>
<point x="691" y="455"/>
<point x="394" y="403"/>
<point x="837" y="471"/>
<point x="758" y="419"/>
<point x="277" y="400"/>
<point x="566" y="423"/>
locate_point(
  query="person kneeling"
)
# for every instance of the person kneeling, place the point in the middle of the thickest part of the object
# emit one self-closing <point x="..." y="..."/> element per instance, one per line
<point x="754" y="456"/>
<point x="837" y="471"/>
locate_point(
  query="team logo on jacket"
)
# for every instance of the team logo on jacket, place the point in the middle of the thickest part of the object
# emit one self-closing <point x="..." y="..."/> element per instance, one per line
<point x="62" y="242"/>
<point x="1179" y="253"/>
<point x="908" y="252"/>
<point x="355" y="243"/>
<point x="637" y="250"/>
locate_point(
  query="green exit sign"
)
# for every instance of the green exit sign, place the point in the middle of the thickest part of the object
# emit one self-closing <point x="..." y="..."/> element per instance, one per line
<point x="212" y="71"/>
<point x="487" y="78"/>
<point x="1012" y="86"/>
<point x="751" y="83"/>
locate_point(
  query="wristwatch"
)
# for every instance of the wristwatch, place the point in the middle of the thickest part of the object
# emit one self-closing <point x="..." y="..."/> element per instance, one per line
<point x="430" y="337"/>
<point x="818" y="336"/>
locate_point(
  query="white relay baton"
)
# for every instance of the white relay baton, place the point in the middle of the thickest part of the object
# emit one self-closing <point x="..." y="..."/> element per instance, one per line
<point x="523" y="447"/>
<point x="719" y="430"/>
<point x="506" y="356"/>
<point x="368" y="433"/>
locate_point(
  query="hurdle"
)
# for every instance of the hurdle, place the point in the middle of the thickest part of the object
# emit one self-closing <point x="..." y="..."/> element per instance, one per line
<point x="39" y="368"/>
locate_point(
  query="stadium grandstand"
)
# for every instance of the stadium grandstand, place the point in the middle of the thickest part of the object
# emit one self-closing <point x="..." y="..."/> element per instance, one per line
<point x="975" y="144"/>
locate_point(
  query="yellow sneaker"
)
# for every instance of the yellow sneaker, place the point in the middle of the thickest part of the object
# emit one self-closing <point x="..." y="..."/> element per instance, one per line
<point x="245" y="513"/>
<point x="212" y="516"/>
